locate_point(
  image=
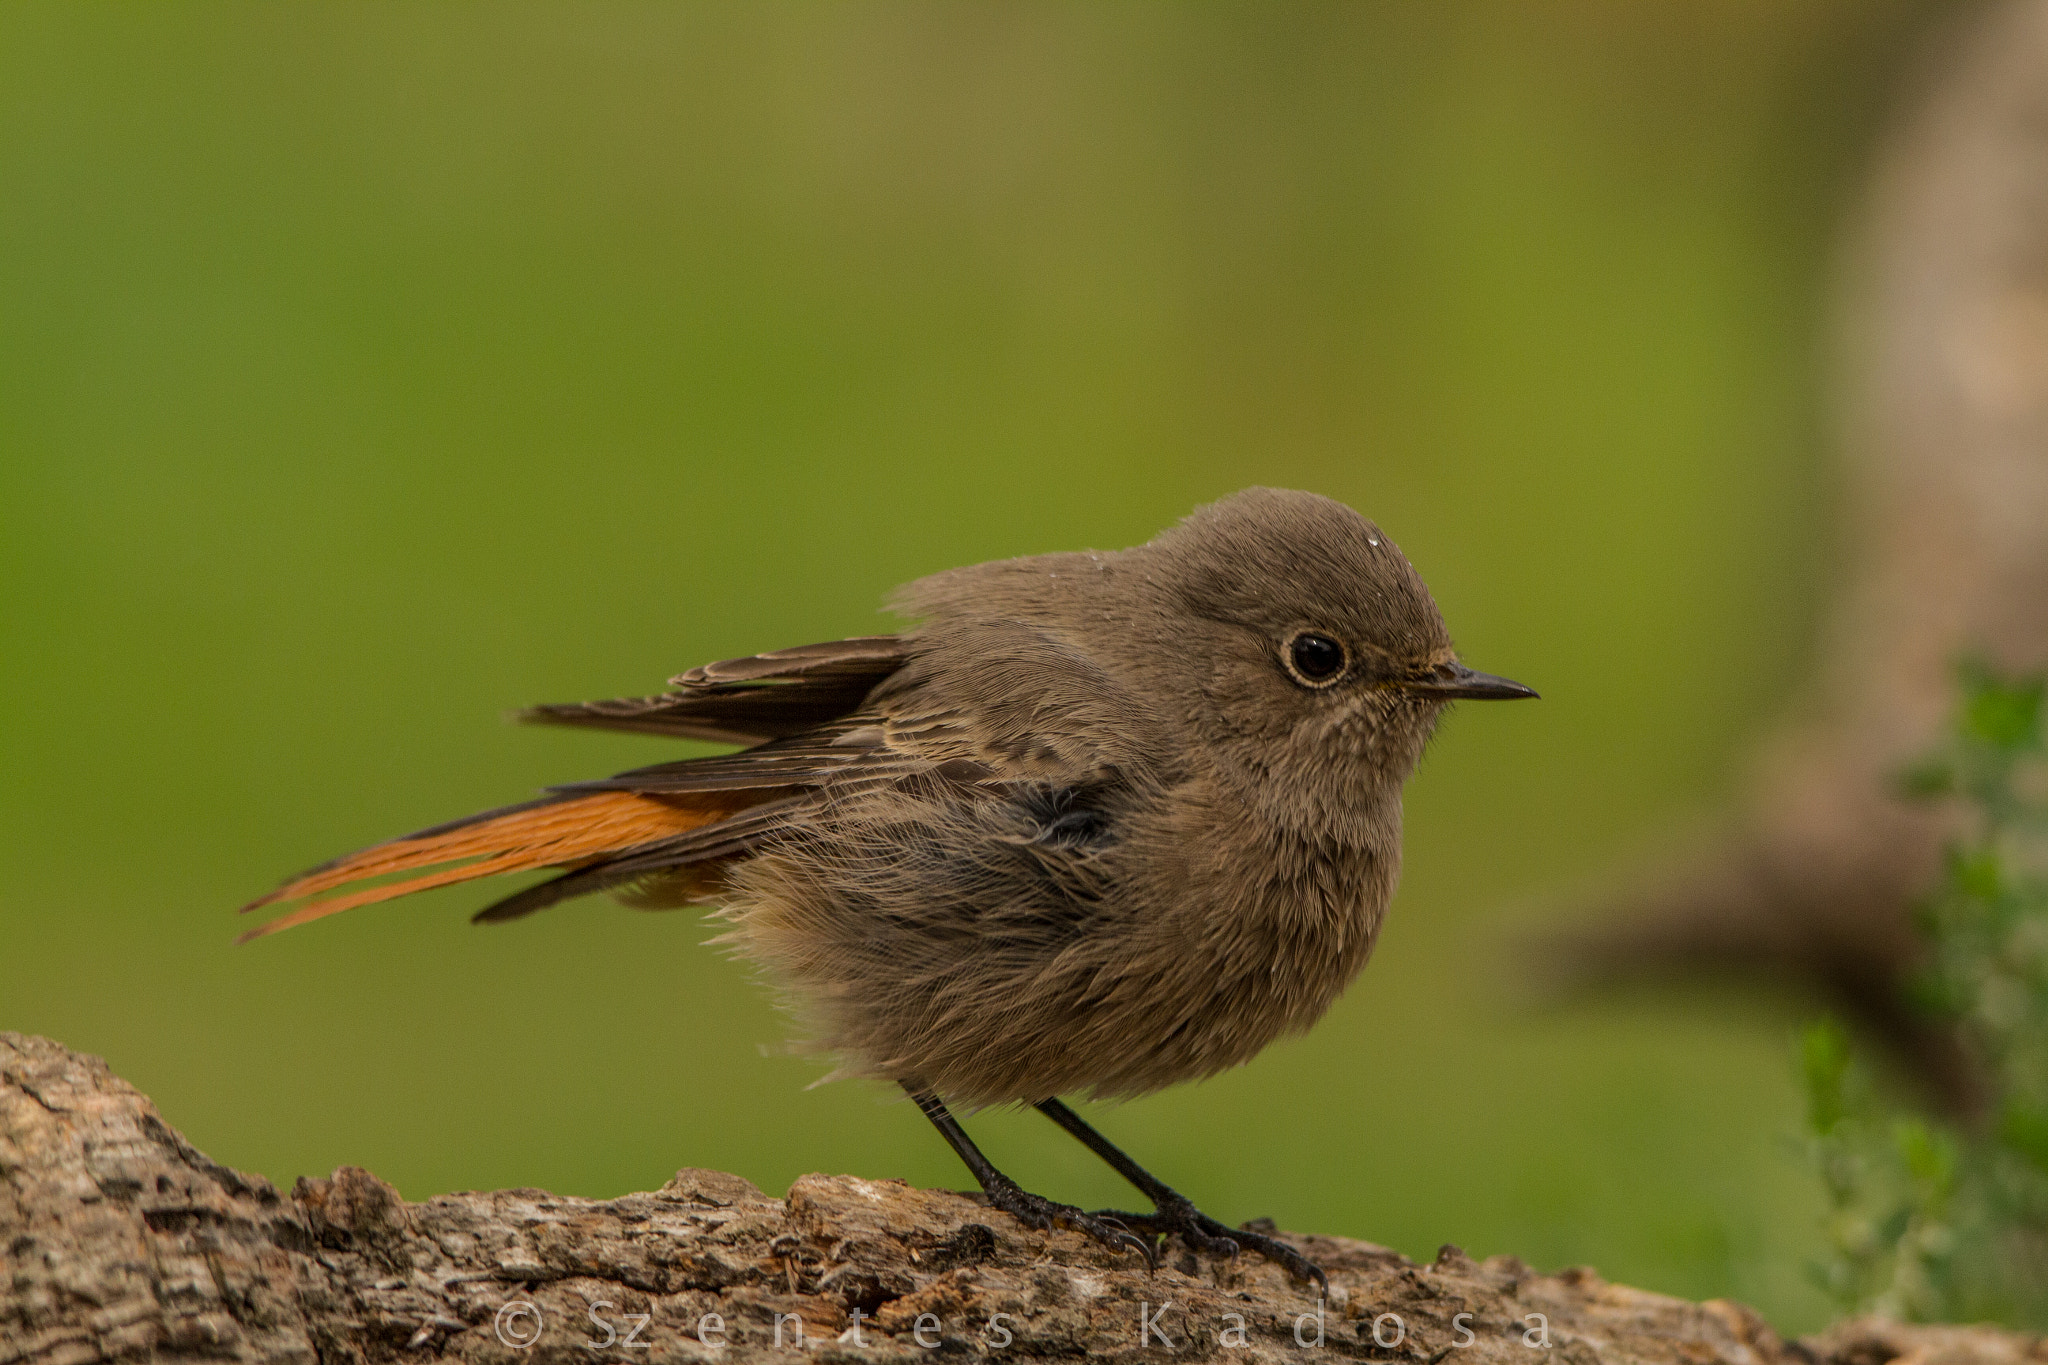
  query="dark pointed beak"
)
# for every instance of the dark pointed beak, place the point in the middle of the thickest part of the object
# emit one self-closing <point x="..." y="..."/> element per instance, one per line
<point x="1456" y="680"/>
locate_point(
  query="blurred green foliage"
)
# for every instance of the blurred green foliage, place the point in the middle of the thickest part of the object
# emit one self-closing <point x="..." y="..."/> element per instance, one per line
<point x="1931" y="1220"/>
<point x="367" y="371"/>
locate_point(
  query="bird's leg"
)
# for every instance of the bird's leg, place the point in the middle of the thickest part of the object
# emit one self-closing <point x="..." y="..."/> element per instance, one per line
<point x="1177" y="1216"/>
<point x="1006" y="1194"/>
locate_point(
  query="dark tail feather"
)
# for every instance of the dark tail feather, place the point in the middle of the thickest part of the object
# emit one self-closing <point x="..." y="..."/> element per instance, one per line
<point x="706" y="847"/>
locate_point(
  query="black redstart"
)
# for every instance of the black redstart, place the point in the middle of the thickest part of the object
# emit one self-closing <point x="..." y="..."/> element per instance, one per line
<point x="1099" y="823"/>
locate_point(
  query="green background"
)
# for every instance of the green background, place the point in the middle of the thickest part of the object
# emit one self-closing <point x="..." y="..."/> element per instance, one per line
<point x="368" y="371"/>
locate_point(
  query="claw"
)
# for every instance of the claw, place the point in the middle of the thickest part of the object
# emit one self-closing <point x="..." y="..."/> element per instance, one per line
<point x="1199" y="1232"/>
<point x="1037" y="1211"/>
<point x="1175" y="1216"/>
<point x="1139" y="1245"/>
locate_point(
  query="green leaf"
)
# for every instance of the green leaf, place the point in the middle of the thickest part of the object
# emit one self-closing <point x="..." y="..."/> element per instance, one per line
<point x="1931" y="994"/>
<point x="1824" y="1061"/>
<point x="2024" y="1129"/>
<point x="1930" y="1156"/>
<point x="1927" y="779"/>
<point x="1978" y="873"/>
<point x="1893" y="1228"/>
<point x="2005" y="714"/>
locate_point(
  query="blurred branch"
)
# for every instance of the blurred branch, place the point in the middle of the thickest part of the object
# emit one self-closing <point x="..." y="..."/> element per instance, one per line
<point x="120" y="1241"/>
<point x="1945" y="445"/>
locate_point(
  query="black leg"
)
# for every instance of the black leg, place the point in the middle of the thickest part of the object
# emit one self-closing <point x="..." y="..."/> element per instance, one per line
<point x="1177" y="1216"/>
<point x="1004" y="1193"/>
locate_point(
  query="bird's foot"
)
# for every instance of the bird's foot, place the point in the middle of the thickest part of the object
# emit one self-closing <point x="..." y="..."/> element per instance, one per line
<point x="1178" y="1217"/>
<point x="1036" y="1211"/>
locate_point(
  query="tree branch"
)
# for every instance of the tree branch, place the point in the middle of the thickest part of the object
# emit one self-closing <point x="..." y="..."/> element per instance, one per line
<point x="120" y="1241"/>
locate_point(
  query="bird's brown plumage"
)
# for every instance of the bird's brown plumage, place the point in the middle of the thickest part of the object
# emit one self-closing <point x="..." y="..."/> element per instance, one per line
<point x="1084" y="828"/>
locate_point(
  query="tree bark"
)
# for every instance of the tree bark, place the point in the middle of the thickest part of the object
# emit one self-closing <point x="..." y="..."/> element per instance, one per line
<point x="119" y="1241"/>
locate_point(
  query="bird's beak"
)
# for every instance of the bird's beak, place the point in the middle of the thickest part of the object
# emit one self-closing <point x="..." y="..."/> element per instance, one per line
<point x="1456" y="680"/>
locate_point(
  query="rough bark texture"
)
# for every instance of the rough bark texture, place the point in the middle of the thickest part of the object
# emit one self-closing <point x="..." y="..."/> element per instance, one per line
<point x="120" y="1241"/>
<point x="1944" y="444"/>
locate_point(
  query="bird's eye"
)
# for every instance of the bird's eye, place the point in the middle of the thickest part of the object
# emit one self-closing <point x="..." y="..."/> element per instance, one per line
<point x="1315" y="660"/>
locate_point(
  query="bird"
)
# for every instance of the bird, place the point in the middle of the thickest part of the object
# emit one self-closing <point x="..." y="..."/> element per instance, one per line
<point x="1093" y="823"/>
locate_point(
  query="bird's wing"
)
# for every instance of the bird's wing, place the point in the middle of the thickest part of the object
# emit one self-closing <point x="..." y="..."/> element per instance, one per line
<point x="1023" y="703"/>
<point x="984" y="708"/>
<point x="747" y="701"/>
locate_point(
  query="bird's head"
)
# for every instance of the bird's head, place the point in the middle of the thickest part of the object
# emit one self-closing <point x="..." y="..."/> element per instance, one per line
<point x="1310" y="654"/>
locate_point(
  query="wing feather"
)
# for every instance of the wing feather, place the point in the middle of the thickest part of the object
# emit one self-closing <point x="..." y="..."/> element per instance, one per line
<point x="999" y="704"/>
<point x="783" y="693"/>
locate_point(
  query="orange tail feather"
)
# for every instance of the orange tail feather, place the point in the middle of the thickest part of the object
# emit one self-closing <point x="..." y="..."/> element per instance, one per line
<point x="560" y="834"/>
